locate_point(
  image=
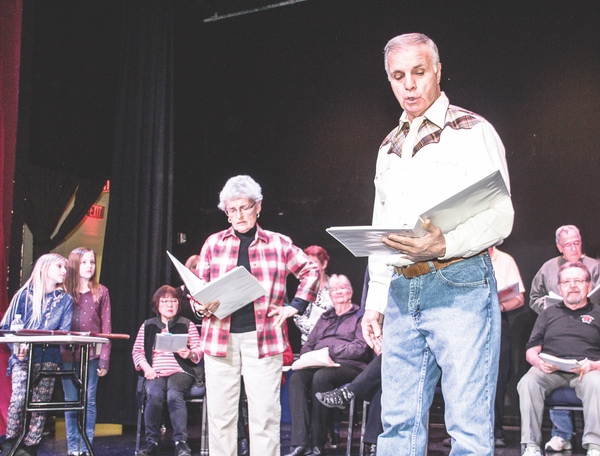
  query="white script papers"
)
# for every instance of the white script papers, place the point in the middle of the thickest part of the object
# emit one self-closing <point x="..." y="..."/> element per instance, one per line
<point x="233" y="290"/>
<point x="563" y="364"/>
<point x="447" y="215"/>
<point x="170" y="342"/>
<point x="508" y="292"/>
<point x="315" y="358"/>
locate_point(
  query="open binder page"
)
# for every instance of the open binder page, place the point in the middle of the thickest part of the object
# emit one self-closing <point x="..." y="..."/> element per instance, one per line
<point x="366" y="240"/>
<point x="448" y="214"/>
<point x="234" y="289"/>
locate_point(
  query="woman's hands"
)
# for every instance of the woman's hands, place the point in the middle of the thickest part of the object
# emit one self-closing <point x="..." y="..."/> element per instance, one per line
<point x="205" y="310"/>
<point x="281" y="313"/>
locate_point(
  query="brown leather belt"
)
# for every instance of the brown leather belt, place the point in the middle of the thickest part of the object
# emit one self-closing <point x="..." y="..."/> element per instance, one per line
<point x="425" y="267"/>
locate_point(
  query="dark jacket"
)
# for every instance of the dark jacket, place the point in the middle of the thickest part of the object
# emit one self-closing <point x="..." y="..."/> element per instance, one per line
<point x="343" y="335"/>
<point x="154" y="326"/>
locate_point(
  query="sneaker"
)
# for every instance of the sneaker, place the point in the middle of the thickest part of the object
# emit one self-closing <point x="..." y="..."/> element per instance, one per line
<point x="593" y="450"/>
<point x="182" y="449"/>
<point x="532" y="450"/>
<point x="339" y="397"/>
<point x="151" y="448"/>
<point x="557" y="443"/>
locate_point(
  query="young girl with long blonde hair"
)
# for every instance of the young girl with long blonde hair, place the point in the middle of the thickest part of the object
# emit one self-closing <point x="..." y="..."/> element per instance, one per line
<point x="42" y="304"/>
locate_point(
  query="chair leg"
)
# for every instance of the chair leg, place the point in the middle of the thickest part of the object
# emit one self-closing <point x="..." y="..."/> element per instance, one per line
<point x="363" y="426"/>
<point x="204" y="432"/>
<point x="138" y="434"/>
<point x="350" y="428"/>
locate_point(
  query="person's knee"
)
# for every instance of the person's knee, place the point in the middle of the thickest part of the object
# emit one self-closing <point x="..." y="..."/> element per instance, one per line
<point x="526" y="385"/>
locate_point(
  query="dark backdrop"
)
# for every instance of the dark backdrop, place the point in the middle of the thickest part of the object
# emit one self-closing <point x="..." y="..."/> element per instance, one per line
<point x="297" y="97"/>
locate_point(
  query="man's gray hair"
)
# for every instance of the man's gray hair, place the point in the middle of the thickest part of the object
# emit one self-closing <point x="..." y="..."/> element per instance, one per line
<point x="575" y="264"/>
<point x="240" y="187"/>
<point x="566" y="229"/>
<point x="411" y="39"/>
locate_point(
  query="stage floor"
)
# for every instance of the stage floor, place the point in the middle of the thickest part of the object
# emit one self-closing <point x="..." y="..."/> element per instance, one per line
<point x="124" y="444"/>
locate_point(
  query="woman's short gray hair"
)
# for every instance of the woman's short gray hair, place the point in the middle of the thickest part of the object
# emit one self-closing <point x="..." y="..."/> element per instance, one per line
<point x="240" y="187"/>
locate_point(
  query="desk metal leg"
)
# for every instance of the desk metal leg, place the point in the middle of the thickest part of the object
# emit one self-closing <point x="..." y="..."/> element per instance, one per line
<point x="82" y="413"/>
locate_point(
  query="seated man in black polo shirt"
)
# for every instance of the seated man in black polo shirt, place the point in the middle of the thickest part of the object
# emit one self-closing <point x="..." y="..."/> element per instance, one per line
<point x="569" y="330"/>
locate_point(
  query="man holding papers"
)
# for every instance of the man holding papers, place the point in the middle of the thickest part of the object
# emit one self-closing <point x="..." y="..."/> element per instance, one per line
<point x="438" y="292"/>
<point x="569" y="330"/>
<point x="543" y="287"/>
<point x="250" y="341"/>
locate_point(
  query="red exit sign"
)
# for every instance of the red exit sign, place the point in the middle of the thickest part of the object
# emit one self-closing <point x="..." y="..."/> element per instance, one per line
<point x="96" y="211"/>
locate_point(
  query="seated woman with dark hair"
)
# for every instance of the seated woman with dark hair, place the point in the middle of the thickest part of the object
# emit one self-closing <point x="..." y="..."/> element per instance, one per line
<point x="338" y="329"/>
<point x="169" y="375"/>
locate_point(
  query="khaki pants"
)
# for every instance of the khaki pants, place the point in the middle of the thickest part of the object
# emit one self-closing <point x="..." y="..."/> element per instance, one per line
<point x="533" y="387"/>
<point x="262" y="380"/>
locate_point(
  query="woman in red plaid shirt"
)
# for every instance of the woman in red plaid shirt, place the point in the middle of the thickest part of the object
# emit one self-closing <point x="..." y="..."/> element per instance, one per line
<point x="250" y="341"/>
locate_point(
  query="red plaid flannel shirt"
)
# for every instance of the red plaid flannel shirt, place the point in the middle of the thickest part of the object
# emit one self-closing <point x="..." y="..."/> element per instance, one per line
<point x="272" y="257"/>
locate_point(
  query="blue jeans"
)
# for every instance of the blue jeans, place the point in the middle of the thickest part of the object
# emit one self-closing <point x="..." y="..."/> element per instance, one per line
<point x="562" y="424"/>
<point x="172" y="389"/>
<point x="442" y="323"/>
<point x="74" y="440"/>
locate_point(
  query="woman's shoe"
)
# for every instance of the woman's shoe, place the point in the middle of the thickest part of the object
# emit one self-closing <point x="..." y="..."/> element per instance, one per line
<point x="7" y="445"/>
<point x="300" y="451"/>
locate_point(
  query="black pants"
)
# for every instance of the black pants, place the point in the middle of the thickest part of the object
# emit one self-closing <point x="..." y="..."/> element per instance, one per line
<point x="367" y="387"/>
<point x="309" y="417"/>
<point x="503" y="374"/>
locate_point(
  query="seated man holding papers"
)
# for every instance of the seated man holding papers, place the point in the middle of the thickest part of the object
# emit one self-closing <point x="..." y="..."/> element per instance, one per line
<point x="568" y="330"/>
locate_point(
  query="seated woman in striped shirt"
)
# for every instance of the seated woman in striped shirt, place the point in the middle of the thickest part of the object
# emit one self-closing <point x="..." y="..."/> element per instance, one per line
<point x="169" y="375"/>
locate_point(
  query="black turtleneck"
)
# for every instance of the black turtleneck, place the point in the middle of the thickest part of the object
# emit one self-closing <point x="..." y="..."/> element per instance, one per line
<point x="243" y="320"/>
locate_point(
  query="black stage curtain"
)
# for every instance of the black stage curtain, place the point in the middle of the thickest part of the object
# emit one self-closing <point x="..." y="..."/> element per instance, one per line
<point x="49" y="192"/>
<point x="139" y="226"/>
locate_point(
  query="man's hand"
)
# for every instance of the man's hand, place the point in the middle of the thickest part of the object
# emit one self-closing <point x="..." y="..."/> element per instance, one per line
<point x="432" y="245"/>
<point x="546" y="368"/>
<point x="372" y="322"/>
<point x="102" y="372"/>
<point x="282" y="312"/>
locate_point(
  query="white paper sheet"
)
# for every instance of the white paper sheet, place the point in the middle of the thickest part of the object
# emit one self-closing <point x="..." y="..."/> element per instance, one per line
<point x="562" y="363"/>
<point x="234" y="289"/>
<point x="508" y="292"/>
<point x="170" y="342"/>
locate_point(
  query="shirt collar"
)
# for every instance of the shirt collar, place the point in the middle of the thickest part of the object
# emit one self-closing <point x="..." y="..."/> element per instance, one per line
<point x="260" y="233"/>
<point x="436" y="113"/>
<point x="588" y="306"/>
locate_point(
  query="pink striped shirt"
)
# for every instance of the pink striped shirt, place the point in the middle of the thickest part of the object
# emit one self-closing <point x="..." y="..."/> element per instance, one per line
<point x="164" y="362"/>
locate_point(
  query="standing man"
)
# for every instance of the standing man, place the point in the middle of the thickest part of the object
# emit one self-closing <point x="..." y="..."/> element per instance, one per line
<point x="568" y="243"/>
<point x="569" y="330"/>
<point x="439" y="294"/>
<point x="507" y="275"/>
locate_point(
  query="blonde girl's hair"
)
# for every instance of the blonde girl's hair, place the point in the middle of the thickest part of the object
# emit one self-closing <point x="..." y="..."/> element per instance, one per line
<point x="35" y="287"/>
<point x="72" y="281"/>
